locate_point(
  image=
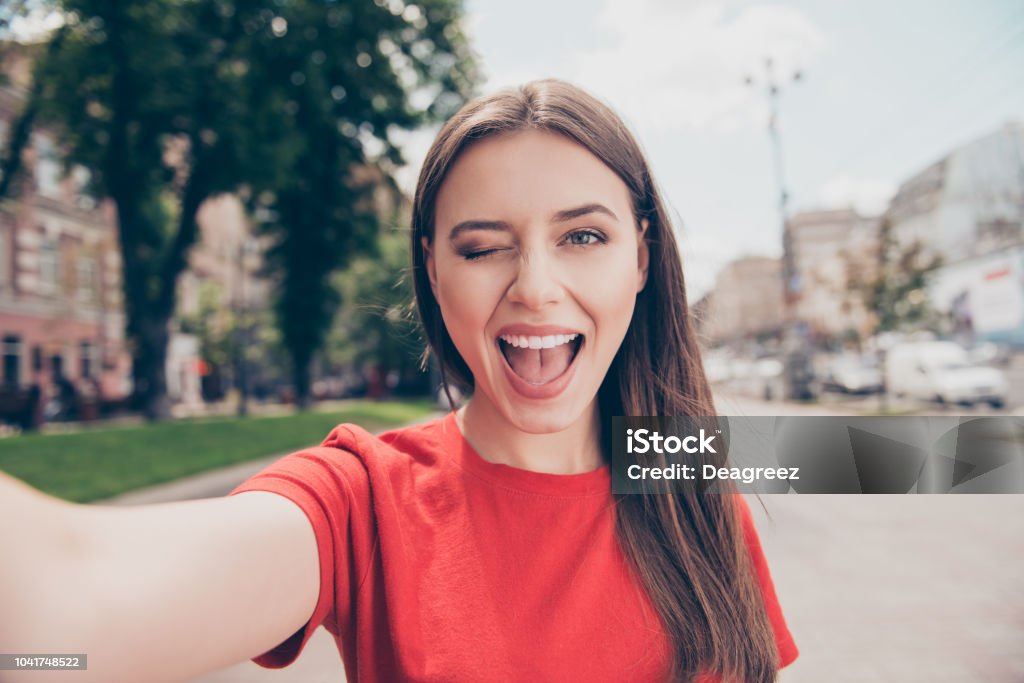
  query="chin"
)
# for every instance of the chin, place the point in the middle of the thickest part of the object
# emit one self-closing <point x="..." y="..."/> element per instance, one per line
<point x="542" y="418"/>
<point x="540" y="421"/>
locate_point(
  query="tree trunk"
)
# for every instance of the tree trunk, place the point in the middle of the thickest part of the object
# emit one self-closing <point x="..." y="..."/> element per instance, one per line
<point x="149" y="368"/>
<point x="302" y="379"/>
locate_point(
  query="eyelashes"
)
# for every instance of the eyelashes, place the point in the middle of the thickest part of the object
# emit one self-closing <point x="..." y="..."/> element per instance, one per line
<point x="474" y="255"/>
<point x="593" y="237"/>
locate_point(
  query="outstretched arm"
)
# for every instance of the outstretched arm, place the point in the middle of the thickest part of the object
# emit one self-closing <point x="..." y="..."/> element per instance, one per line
<point x="155" y="593"/>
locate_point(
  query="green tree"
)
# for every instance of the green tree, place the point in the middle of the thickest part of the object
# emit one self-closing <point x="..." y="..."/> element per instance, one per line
<point x="140" y="97"/>
<point x="376" y="325"/>
<point x="170" y="102"/>
<point x="897" y="294"/>
<point x="347" y="77"/>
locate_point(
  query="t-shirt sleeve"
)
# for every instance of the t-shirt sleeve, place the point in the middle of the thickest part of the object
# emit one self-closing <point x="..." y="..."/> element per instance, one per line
<point x="320" y="482"/>
<point x="787" y="648"/>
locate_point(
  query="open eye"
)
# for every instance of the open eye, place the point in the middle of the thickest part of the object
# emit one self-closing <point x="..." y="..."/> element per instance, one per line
<point x="584" y="238"/>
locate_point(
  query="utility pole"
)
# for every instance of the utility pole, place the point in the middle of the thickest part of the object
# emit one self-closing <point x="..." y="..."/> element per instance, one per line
<point x="797" y="370"/>
<point x="772" y="88"/>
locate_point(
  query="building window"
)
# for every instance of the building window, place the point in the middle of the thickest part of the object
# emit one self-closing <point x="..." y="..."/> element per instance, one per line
<point x="12" y="360"/>
<point x="49" y="265"/>
<point x="57" y="366"/>
<point x="87" y="279"/>
<point x="37" y="358"/>
<point x="85" y="351"/>
<point x="81" y="177"/>
<point x="47" y="167"/>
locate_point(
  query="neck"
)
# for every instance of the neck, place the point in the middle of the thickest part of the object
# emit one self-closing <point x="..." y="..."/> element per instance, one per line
<point x="575" y="449"/>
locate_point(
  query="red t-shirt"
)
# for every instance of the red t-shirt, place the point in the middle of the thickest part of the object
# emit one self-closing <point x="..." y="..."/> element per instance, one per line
<point x="438" y="565"/>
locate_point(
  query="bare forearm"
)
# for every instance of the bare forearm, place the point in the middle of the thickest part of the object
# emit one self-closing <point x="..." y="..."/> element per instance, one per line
<point x="149" y="592"/>
<point x="37" y="539"/>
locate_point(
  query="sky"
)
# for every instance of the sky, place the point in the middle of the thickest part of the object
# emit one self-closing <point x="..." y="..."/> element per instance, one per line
<point x="887" y="88"/>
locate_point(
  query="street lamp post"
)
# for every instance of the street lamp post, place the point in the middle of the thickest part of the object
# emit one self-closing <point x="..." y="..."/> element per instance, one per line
<point x="796" y="377"/>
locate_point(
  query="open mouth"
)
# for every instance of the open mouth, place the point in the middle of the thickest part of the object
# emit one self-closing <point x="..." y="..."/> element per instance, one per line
<point x="539" y="360"/>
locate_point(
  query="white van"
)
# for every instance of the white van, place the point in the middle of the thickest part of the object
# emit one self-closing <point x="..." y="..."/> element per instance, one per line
<point x="941" y="371"/>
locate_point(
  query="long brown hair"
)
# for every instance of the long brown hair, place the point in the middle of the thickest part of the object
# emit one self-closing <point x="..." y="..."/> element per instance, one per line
<point x="687" y="548"/>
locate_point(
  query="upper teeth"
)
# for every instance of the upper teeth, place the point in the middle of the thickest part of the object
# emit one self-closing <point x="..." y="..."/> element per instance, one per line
<point x="529" y="342"/>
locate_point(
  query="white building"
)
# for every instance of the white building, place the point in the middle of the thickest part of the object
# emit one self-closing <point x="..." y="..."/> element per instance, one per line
<point x="746" y="301"/>
<point x="968" y="208"/>
<point x="830" y="249"/>
<point x="970" y="202"/>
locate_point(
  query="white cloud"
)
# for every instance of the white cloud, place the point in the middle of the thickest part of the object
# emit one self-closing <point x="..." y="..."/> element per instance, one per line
<point x="869" y="196"/>
<point x="678" y="65"/>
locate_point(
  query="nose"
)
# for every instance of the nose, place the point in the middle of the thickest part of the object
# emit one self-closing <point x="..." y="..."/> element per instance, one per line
<point x="536" y="282"/>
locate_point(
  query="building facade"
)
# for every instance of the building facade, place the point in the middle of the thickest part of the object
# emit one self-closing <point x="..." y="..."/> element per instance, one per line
<point x="61" y="314"/>
<point x="968" y="209"/>
<point x="61" y="301"/>
<point x="224" y="286"/>
<point x="832" y="250"/>
<point x="967" y="204"/>
<point x="746" y="301"/>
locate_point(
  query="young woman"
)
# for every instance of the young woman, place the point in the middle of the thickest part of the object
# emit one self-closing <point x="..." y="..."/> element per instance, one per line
<point x="485" y="545"/>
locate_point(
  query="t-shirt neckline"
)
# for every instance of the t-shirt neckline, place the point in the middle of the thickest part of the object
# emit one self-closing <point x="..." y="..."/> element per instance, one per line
<point x="595" y="482"/>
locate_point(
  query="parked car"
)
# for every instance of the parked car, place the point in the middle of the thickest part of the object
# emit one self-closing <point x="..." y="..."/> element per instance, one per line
<point x="853" y="374"/>
<point x="943" y="372"/>
<point x="989" y="353"/>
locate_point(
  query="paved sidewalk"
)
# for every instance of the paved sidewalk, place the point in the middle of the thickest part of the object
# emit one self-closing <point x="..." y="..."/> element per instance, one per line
<point x="212" y="484"/>
<point x="899" y="588"/>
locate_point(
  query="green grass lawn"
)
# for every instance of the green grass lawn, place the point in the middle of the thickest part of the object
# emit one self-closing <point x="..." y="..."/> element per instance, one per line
<point x="98" y="463"/>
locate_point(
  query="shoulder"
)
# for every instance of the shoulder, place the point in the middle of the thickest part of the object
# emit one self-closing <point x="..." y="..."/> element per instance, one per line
<point x="419" y="441"/>
<point x="351" y="460"/>
<point x="351" y="466"/>
<point x="361" y="456"/>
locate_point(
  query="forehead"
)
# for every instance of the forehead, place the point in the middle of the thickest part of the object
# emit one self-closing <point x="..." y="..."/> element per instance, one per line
<point x="525" y="175"/>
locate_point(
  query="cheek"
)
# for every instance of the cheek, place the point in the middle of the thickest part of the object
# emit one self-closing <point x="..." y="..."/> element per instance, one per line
<point x="607" y="289"/>
<point x="468" y="300"/>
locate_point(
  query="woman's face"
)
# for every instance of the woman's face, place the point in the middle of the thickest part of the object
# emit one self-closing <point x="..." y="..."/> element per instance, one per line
<point x="535" y="241"/>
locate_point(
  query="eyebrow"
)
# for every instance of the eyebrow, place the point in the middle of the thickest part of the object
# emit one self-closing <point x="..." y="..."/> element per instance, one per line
<point x="558" y="217"/>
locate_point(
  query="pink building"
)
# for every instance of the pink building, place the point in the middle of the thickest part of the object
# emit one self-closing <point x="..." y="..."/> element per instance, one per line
<point x="60" y="269"/>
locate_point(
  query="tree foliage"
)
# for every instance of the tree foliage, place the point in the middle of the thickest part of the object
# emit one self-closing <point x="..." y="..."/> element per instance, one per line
<point x="171" y="102"/>
<point x="376" y="326"/>
<point x="346" y="77"/>
<point x="896" y="295"/>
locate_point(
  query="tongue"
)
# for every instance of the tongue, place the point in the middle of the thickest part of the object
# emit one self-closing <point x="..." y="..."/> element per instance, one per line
<point x="539" y="366"/>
